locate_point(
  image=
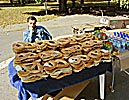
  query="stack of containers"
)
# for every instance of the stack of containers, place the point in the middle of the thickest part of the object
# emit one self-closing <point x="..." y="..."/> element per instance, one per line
<point x="119" y="39"/>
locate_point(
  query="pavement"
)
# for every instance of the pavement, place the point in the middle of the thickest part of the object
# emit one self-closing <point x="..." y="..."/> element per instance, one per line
<point x="57" y="27"/>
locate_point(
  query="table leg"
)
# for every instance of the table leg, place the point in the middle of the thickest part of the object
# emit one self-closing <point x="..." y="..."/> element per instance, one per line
<point x="126" y="72"/>
<point x="114" y="63"/>
<point x="102" y="85"/>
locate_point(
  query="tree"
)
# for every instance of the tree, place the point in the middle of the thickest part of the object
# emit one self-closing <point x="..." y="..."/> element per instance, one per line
<point x="73" y="3"/>
<point x="62" y="6"/>
<point x="82" y="2"/>
<point x="11" y="1"/>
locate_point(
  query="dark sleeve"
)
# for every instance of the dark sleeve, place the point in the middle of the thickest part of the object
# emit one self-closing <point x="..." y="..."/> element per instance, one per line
<point x="45" y="32"/>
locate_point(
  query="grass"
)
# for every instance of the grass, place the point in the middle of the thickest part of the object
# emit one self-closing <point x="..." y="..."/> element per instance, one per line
<point x="18" y="15"/>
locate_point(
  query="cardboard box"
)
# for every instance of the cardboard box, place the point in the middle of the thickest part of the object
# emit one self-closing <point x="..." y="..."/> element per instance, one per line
<point x="71" y="92"/>
<point x="118" y="22"/>
<point x="124" y="60"/>
<point x="68" y="93"/>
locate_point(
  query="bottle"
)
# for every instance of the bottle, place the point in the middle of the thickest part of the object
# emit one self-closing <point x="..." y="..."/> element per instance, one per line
<point x="123" y="42"/>
<point x="114" y="41"/>
<point x="127" y="36"/>
<point x="115" y="34"/>
<point x="110" y="38"/>
<point x="124" y="36"/>
<point x="127" y="45"/>
<point x="119" y="44"/>
<point x="120" y="34"/>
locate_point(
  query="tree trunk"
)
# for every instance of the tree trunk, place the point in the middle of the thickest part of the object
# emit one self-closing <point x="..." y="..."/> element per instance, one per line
<point x="23" y="2"/>
<point x="11" y="1"/>
<point x="62" y="6"/>
<point x="73" y="3"/>
<point x="19" y="1"/>
<point x="82" y="2"/>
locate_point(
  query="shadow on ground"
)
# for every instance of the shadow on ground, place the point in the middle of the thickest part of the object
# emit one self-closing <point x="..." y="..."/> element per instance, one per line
<point x="121" y="87"/>
<point x="92" y="10"/>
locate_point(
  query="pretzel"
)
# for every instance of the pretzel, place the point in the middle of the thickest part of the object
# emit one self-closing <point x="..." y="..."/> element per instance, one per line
<point x="106" y="56"/>
<point x="56" y="54"/>
<point x="27" y="66"/>
<point x="86" y="50"/>
<point x="87" y="44"/>
<point x="98" y="43"/>
<point x="74" y="60"/>
<point x="49" y="55"/>
<point x="84" y="57"/>
<point x="33" y="77"/>
<point x="94" y="53"/>
<point x="61" y="63"/>
<point x="67" y="52"/>
<point x="89" y="64"/>
<point x="18" y="47"/>
<point x="89" y="35"/>
<point x="76" y="47"/>
<point x="73" y="41"/>
<point x="23" y="73"/>
<point x="74" y="50"/>
<point x="63" y="41"/>
<point x="58" y="74"/>
<point x="25" y="57"/>
<point x="79" y="37"/>
<point x="76" y="63"/>
<point x="97" y="61"/>
<point x="51" y="44"/>
<point x="29" y="47"/>
<point x="40" y="45"/>
<point x="45" y="56"/>
<point x="78" y="68"/>
<point x="87" y="60"/>
<point x="31" y="72"/>
<point x="50" y="66"/>
<point x="62" y="69"/>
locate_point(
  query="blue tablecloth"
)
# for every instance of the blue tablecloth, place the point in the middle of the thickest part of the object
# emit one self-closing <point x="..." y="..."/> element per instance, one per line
<point x="41" y="87"/>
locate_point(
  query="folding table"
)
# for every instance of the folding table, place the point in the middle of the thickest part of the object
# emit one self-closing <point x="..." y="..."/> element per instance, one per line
<point x="44" y="86"/>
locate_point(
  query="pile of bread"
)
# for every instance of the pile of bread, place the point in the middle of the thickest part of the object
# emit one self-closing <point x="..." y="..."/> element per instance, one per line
<point x="59" y="57"/>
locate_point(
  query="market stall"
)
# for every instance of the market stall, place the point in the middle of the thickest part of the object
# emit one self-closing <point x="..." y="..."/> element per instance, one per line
<point x="50" y="65"/>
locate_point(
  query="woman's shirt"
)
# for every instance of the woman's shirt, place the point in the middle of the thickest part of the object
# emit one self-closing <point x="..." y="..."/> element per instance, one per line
<point x="39" y="33"/>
